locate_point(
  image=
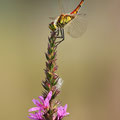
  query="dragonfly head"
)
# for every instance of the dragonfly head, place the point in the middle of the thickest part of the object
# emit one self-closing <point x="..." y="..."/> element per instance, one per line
<point x="52" y="26"/>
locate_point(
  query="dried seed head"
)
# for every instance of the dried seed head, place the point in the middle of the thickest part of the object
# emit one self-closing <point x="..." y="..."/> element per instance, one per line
<point x="59" y="83"/>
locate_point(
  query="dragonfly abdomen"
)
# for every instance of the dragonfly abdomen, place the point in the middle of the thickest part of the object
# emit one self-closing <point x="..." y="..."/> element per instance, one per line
<point x="76" y="10"/>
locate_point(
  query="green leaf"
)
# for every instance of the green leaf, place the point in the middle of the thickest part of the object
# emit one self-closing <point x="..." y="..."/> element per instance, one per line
<point x="55" y="82"/>
<point x="52" y="44"/>
<point x="49" y="76"/>
<point x="45" y="87"/>
<point x="51" y="66"/>
<point x="53" y="57"/>
<point x="50" y="51"/>
<point x="47" y="56"/>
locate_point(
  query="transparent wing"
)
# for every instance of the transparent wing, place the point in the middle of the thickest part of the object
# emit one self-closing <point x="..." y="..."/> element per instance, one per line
<point x="77" y="27"/>
<point x="67" y="6"/>
<point x="52" y="18"/>
<point x="61" y="9"/>
<point x="61" y="6"/>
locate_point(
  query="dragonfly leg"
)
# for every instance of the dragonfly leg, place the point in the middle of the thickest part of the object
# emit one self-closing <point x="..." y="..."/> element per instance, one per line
<point x="62" y="33"/>
<point x="58" y="32"/>
<point x="62" y="36"/>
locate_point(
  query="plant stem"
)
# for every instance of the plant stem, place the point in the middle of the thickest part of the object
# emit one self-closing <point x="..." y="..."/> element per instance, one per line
<point x="51" y="67"/>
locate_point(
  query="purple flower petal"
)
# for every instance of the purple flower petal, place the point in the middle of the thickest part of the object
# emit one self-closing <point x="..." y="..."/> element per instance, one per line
<point x="46" y="103"/>
<point x="61" y="112"/>
<point x="36" y="102"/>
<point x="42" y="107"/>
<point x="49" y="95"/>
<point x="32" y="115"/>
<point x="33" y="109"/>
<point x="65" y="107"/>
<point x="37" y="116"/>
<point x="41" y="99"/>
<point x="66" y="114"/>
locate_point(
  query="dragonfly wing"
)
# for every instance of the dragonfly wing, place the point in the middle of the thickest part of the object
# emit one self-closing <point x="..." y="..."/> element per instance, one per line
<point x="81" y="14"/>
<point x="52" y="18"/>
<point x="77" y="27"/>
<point x="61" y="6"/>
<point x="67" y="6"/>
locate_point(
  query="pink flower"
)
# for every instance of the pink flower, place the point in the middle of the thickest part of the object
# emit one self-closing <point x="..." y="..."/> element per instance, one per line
<point x="61" y="112"/>
<point x="43" y="104"/>
<point x="36" y="116"/>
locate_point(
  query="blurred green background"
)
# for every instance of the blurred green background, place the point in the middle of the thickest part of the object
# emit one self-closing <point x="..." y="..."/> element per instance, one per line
<point x="89" y="66"/>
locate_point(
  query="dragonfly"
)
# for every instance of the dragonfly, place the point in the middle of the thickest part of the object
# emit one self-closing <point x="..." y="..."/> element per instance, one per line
<point x="76" y="27"/>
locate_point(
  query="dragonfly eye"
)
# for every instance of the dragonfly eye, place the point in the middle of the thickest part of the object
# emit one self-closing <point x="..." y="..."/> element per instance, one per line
<point x="52" y="26"/>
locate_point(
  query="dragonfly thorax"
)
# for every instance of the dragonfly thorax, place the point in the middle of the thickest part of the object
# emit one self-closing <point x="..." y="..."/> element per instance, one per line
<point x="61" y="21"/>
<point x="64" y="19"/>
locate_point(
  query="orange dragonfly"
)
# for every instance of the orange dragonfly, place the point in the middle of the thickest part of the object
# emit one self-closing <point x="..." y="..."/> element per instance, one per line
<point x="76" y="26"/>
